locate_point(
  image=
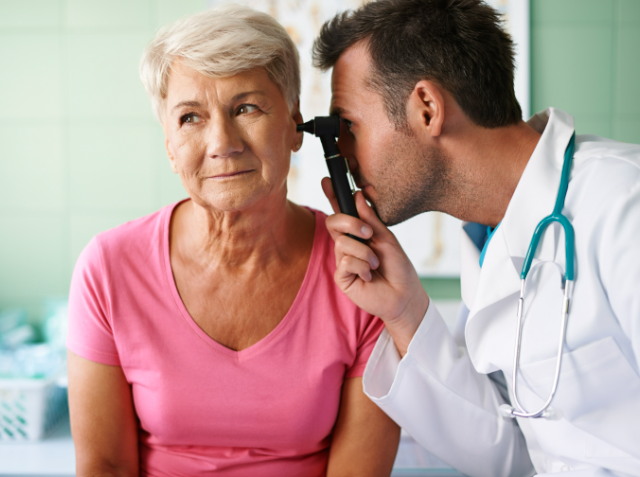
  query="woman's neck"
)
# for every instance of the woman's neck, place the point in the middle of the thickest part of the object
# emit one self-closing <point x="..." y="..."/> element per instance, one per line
<point x="272" y="231"/>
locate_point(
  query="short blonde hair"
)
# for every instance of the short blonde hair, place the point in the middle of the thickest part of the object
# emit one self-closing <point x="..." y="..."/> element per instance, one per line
<point x="221" y="42"/>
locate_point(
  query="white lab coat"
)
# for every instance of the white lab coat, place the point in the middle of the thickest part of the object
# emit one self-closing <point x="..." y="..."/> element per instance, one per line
<point x="440" y="392"/>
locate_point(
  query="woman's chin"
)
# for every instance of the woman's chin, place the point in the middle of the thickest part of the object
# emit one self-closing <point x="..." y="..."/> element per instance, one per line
<point x="235" y="201"/>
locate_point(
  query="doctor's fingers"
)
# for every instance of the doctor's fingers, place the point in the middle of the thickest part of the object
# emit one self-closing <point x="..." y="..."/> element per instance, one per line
<point x="341" y="224"/>
<point x="349" y="269"/>
<point x="345" y="245"/>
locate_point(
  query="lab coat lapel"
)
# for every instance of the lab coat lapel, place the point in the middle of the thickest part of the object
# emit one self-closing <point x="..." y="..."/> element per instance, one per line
<point x="536" y="193"/>
<point x="493" y="308"/>
<point x="487" y="327"/>
<point x="470" y="267"/>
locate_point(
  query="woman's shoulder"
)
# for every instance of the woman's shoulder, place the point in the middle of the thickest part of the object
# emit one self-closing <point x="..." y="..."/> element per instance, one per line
<point x="356" y="331"/>
<point x="322" y="241"/>
<point x="321" y="270"/>
<point x="137" y="233"/>
<point x="134" y="230"/>
<point x="129" y="242"/>
<point x="321" y="227"/>
<point x="318" y="213"/>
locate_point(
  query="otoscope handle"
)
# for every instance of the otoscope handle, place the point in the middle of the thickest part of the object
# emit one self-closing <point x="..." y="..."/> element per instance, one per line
<point x="327" y="128"/>
<point x="342" y="189"/>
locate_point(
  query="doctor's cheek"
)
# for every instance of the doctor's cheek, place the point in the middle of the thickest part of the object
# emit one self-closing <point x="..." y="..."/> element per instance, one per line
<point x="346" y="145"/>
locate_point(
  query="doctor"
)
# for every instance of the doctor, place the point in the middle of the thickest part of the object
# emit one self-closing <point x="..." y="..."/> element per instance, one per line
<point x="425" y="88"/>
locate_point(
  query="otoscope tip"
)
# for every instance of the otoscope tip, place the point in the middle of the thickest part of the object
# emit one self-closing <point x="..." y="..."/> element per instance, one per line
<point x="309" y="126"/>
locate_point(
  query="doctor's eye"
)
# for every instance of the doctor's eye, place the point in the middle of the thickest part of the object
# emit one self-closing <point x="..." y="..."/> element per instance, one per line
<point x="345" y="126"/>
<point x="189" y="118"/>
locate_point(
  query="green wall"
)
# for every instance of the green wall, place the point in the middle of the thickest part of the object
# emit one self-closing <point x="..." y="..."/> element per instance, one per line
<point x="80" y="151"/>
<point x="585" y="57"/>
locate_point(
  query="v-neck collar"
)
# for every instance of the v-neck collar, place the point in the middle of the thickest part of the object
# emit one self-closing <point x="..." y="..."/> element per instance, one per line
<point x="307" y="284"/>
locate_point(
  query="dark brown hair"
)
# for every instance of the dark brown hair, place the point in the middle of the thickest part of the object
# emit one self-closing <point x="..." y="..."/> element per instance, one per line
<point x="459" y="44"/>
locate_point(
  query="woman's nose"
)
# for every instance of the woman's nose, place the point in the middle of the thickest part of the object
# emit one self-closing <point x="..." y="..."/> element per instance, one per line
<point x="223" y="140"/>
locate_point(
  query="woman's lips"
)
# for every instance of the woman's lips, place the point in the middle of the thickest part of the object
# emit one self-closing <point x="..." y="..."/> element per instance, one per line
<point x="230" y="175"/>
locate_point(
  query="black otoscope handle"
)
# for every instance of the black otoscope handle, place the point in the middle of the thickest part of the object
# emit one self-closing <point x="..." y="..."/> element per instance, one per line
<point x="342" y="189"/>
<point x="339" y="176"/>
<point x="338" y="172"/>
<point x="327" y="128"/>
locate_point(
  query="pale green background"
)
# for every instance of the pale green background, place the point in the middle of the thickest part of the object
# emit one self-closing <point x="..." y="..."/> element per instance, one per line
<point x="80" y="151"/>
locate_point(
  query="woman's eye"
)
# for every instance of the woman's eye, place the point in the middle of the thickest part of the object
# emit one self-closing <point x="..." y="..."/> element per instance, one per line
<point x="190" y="118"/>
<point x="246" y="109"/>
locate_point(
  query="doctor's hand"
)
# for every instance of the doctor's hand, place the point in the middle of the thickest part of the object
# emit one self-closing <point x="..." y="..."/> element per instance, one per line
<point x="377" y="275"/>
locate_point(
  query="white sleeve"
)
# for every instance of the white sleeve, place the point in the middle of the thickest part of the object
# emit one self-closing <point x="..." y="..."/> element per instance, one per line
<point x="436" y="395"/>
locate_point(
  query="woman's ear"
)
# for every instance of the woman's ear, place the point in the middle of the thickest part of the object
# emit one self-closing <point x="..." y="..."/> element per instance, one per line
<point x="297" y="119"/>
<point x="425" y="108"/>
<point x="172" y="161"/>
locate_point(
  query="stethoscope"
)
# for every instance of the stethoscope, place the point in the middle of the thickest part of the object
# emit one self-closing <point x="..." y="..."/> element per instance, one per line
<point x="556" y="216"/>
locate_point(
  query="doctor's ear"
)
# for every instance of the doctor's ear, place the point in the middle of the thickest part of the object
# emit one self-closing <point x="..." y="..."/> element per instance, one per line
<point x="425" y="107"/>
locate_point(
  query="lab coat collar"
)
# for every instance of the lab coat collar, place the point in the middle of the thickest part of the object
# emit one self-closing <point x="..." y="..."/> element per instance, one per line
<point x="499" y="278"/>
<point x="536" y="193"/>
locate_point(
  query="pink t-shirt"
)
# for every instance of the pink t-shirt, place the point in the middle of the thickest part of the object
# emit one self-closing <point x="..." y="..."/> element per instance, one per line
<point x="267" y="410"/>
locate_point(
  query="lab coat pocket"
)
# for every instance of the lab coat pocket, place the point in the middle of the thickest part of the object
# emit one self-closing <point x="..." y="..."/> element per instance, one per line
<point x="598" y="392"/>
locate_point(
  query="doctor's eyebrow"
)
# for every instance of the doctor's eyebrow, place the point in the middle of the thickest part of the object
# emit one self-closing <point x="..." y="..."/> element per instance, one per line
<point x="336" y="111"/>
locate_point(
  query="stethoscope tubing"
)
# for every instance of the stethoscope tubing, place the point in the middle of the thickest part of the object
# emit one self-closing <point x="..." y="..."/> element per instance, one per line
<point x="556" y="216"/>
<point x="519" y="410"/>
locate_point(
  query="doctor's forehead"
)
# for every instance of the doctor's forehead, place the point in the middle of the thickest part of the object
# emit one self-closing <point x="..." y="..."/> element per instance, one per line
<point x="350" y="83"/>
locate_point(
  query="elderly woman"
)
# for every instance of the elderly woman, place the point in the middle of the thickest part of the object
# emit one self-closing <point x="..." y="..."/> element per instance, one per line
<point x="209" y="337"/>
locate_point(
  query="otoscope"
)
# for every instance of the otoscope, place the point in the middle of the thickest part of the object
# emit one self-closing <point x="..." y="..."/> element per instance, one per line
<point x="327" y="128"/>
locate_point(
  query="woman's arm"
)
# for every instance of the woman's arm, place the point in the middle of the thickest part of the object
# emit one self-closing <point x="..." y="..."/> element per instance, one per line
<point x="103" y="420"/>
<point x="365" y="439"/>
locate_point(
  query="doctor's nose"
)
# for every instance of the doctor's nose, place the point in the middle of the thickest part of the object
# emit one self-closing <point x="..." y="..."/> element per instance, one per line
<point x="223" y="140"/>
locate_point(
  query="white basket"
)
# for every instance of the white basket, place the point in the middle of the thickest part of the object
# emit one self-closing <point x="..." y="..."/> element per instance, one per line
<point x="30" y="407"/>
